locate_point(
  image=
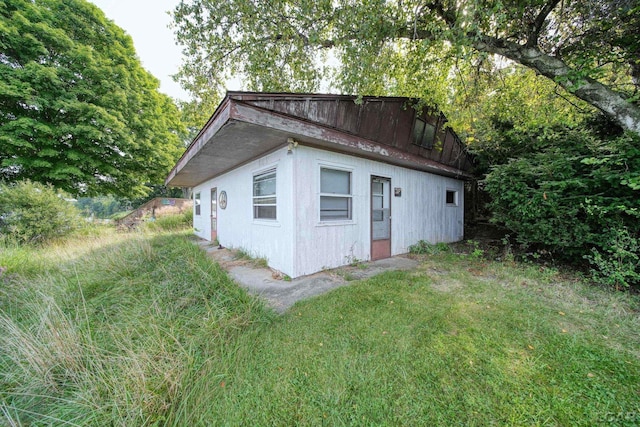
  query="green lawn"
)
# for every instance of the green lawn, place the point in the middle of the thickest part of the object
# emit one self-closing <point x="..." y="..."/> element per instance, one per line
<point x="159" y="335"/>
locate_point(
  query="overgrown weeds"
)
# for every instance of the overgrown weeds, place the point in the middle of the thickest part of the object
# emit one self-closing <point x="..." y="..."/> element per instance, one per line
<point x="143" y="329"/>
<point x="104" y="331"/>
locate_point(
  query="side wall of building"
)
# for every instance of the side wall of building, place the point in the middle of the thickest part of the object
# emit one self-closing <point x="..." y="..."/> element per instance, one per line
<point x="419" y="212"/>
<point x="298" y="242"/>
<point x="237" y="228"/>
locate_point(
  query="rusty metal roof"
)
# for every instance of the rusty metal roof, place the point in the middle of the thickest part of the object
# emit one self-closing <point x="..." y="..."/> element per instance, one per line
<point x="247" y="125"/>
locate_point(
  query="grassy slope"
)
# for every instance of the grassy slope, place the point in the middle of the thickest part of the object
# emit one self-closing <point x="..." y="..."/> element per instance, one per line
<point x="104" y="330"/>
<point x="137" y="329"/>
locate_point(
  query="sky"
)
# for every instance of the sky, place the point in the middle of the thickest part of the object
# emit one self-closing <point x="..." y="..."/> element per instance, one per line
<point x="146" y="21"/>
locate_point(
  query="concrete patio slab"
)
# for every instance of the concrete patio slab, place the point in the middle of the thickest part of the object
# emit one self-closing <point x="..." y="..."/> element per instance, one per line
<point x="281" y="294"/>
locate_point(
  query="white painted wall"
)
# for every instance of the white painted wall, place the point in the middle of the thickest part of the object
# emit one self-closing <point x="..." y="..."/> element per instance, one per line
<point x="419" y="214"/>
<point x="298" y="243"/>
<point x="237" y="229"/>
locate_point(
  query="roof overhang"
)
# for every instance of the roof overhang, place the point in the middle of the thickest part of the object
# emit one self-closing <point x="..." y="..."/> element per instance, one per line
<point x="239" y="132"/>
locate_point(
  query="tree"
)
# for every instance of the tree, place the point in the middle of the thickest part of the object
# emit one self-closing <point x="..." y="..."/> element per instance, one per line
<point x="590" y="48"/>
<point x="77" y="110"/>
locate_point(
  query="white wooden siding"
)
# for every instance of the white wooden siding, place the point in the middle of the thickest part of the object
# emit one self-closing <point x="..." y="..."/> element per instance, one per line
<point x="298" y="243"/>
<point x="237" y="228"/>
<point x="420" y="213"/>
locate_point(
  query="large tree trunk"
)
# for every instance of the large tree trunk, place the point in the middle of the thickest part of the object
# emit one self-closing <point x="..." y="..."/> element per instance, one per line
<point x="600" y="96"/>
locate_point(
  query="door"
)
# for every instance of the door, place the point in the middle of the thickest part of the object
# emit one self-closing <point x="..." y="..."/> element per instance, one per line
<point x="214" y="214"/>
<point x="380" y="218"/>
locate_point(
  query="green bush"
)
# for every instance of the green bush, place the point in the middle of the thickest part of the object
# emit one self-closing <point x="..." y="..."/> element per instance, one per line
<point x="171" y="222"/>
<point x="34" y="213"/>
<point x="575" y="195"/>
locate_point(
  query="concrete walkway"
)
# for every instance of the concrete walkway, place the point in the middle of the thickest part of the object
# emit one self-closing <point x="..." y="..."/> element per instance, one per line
<point x="282" y="294"/>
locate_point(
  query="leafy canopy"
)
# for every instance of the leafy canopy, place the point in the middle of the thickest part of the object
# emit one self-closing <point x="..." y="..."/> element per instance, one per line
<point x="77" y="110"/>
<point x="411" y="47"/>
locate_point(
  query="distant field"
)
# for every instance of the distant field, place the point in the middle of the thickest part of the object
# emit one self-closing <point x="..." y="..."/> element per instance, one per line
<point x="142" y="329"/>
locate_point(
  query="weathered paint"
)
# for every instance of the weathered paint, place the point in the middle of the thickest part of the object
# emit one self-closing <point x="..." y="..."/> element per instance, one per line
<point x="298" y="243"/>
<point x="248" y="125"/>
<point x="420" y="213"/>
<point x="249" y="134"/>
<point x="270" y="239"/>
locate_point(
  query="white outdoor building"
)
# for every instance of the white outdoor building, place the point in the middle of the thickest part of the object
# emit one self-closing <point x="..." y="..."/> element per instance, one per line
<point x="311" y="182"/>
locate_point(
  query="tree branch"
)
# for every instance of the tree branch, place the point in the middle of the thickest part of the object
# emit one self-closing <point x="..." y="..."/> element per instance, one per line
<point x="590" y="90"/>
<point x="536" y="26"/>
<point x="448" y="16"/>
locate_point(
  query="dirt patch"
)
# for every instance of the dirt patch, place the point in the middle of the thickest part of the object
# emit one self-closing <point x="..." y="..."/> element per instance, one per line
<point x="447" y="285"/>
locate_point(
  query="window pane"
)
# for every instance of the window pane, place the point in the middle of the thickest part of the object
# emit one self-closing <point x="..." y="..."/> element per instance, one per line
<point x="197" y="203"/>
<point x="265" y="184"/>
<point x="451" y="197"/>
<point x="376" y="187"/>
<point x="418" y="129"/>
<point x="377" y="202"/>
<point x="428" y="136"/>
<point x="335" y="181"/>
<point x="264" y="212"/>
<point x="334" y="208"/>
<point x="264" y="195"/>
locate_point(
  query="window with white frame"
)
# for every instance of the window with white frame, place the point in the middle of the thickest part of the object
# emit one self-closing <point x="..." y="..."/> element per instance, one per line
<point x="196" y="203"/>
<point x="335" y="194"/>
<point x="264" y="195"/>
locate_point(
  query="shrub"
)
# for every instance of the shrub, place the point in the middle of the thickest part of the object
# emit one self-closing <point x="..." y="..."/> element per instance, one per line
<point x="35" y="213"/>
<point x="618" y="263"/>
<point x="574" y="196"/>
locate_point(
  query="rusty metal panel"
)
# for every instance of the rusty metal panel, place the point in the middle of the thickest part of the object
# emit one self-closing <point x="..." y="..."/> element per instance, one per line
<point x="447" y="150"/>
<point x="348" y="116"/>
<point x="371" y="116"/>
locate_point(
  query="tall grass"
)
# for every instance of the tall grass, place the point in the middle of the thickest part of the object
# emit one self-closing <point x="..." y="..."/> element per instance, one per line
<point x="143" y="329"/>
<point x="104" y="330"/>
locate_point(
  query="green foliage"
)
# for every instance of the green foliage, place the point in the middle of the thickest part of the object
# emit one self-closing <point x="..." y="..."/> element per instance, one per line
<point x="176" y="222"/>
<point x="77" y="110"/>
<point x="142" y="329"/>
<point x="102" y="207"/>
<point x="35" y="213"/>
<point x="425" y="248"/>
<point x="573" y="194"/>
<point x="108" y="329"/>
<point x="434" y="50"/>
<point x="452" y="343"/>
<point x="617" y="262"/>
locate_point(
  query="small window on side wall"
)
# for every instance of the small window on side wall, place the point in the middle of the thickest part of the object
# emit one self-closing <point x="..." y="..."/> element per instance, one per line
<point x="452" y="198"/>
<point x="196" y="203"/>
<point x="423" y="134"/>
<point x="264" y="195"/>
<point x="335" y="195"/>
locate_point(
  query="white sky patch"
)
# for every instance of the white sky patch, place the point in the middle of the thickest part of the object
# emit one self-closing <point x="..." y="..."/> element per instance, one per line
<point x="147" y="22"/>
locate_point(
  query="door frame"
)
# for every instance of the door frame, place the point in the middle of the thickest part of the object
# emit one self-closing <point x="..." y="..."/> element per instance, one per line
<point x="214" y="213"/>
<point x="380" y="248"/>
